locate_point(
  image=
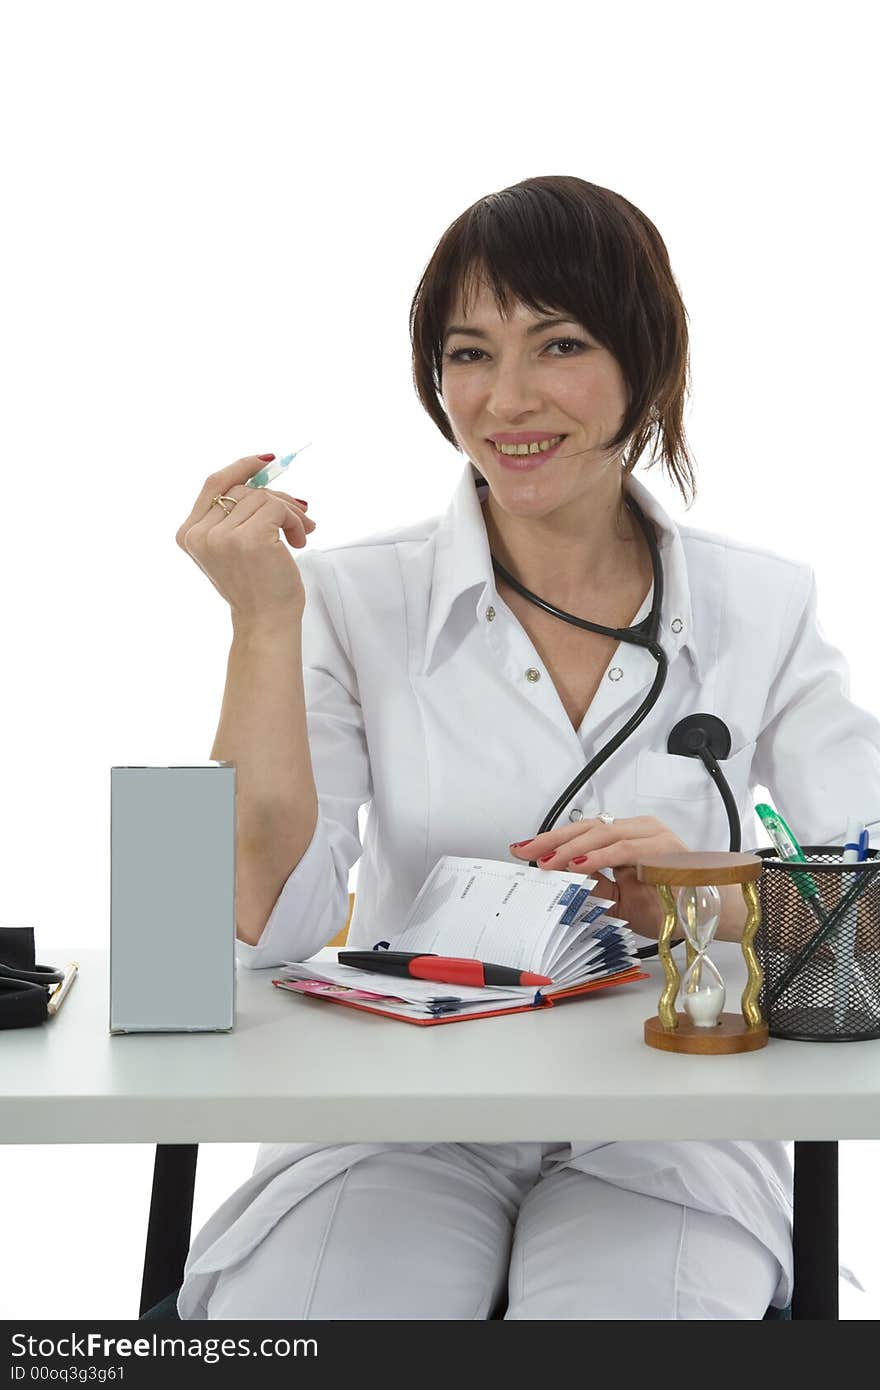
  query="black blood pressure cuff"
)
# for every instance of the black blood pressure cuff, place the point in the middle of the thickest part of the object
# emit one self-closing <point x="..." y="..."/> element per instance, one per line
<point x="25" y="987"/>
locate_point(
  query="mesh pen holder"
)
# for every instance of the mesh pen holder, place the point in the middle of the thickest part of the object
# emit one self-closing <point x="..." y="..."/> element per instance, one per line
<point x="820" y="954"/>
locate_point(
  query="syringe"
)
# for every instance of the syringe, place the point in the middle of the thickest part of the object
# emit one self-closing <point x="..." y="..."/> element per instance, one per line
<point x="273" y="470"/>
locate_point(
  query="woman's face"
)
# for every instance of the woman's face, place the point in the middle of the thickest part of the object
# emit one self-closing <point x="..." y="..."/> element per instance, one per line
<point x="517" y="376"/>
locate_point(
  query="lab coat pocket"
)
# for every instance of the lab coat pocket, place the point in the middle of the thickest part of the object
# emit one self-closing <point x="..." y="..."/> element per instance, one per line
<point x="671" y="776"/>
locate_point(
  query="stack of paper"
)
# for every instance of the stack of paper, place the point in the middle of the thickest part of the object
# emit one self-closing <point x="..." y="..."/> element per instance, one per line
<point x="542" y="921"/>
<point x="425" y="998"/>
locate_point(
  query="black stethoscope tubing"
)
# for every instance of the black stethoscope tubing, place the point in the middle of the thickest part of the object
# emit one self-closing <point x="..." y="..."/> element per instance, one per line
<point x="40" y="977"/>
<point x="644" y="634"/>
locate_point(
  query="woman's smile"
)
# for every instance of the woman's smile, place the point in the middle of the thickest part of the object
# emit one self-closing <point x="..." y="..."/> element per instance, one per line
<point x="520" y="463"/>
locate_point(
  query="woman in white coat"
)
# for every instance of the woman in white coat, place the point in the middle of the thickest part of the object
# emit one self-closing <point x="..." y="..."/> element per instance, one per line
<point x="402" y="673"/>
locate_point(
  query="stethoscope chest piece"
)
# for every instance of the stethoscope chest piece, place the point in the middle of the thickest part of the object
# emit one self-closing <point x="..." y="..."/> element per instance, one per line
<point x="698" y="731"/>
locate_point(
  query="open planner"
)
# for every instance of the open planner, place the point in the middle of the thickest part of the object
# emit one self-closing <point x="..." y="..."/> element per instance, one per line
<point x="546" y="922"/>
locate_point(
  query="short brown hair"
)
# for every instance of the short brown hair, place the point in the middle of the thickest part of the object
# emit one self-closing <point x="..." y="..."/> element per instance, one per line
<point x="561" y="245"/>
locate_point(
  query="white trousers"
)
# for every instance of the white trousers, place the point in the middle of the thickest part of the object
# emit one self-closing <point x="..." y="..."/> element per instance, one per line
<point x="452" y="1233"/>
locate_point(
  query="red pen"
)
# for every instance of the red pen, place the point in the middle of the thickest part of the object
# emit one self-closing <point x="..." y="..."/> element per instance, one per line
<point x="450" y="970"/>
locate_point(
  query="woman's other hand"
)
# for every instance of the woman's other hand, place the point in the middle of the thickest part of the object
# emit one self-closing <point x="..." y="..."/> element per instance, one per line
<point x="589" y="846"/>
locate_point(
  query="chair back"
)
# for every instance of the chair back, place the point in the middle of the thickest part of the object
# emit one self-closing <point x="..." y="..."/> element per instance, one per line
<point x="342" y="936"/>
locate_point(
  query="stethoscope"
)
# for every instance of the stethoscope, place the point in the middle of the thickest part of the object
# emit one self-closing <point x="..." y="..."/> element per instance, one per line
<point x="24" y="994"/>
<point x="37" y="979"/>
<point x="702" y="736"/>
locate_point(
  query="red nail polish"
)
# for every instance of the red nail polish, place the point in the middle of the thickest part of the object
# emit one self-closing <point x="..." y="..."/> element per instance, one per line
<point x="265" y="458"/>
<point x="580" y="859"/>
<point x="518" y="844"/>
<point x="302" y="502"/>
<point x="546" y="857"/>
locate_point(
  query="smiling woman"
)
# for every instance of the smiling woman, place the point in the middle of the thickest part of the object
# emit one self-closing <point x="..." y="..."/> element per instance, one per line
<point x="424" y="673"/>
<point x="579" y="256"/>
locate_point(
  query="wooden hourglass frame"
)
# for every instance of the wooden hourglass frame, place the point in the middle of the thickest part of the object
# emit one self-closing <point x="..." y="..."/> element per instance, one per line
<point x="675" y="1032"/>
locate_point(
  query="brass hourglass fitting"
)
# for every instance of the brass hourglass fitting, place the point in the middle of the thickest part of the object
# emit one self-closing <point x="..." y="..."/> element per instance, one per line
<point x="694" y="912"/>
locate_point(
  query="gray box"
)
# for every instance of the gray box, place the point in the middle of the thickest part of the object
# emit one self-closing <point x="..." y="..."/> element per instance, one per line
<point x="172" y="899"/>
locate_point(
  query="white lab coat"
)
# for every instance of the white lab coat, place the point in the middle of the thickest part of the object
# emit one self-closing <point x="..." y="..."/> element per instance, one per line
<point x="423" y="703"/>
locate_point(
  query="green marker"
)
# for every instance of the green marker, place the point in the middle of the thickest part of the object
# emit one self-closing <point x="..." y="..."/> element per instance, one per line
<point x="790" y="851"/>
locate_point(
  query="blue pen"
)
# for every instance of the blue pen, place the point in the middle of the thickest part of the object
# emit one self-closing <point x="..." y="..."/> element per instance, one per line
<point x="273" y="470"/>
<point x="855" y="843"/>
<point x="864" y="841"/>
<point x="854" y="832"/>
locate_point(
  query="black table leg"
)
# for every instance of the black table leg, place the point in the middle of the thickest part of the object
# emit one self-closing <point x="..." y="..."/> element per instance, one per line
<point x="816" y="1291"/>
<point x="168" y="1232"/>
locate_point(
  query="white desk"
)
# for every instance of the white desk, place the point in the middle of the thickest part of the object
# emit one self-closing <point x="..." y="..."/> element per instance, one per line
<point x="295" y="1068"/>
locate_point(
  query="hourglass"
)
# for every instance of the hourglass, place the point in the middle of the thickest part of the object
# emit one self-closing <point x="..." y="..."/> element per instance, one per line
<point x="693" y="912"/>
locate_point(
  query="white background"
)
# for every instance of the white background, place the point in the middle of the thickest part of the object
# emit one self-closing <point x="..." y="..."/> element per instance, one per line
<point x="215" y="218"/>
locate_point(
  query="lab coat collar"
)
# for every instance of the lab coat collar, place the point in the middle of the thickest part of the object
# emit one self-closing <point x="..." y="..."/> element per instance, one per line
<point x="462" y="562"/>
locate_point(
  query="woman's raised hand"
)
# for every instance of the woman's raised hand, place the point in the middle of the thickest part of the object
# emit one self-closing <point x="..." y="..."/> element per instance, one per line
<point x="242" y="553"/>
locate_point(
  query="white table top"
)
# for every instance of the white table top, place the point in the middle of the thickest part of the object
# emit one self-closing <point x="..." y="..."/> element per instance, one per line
<point x="297" y="1068"/>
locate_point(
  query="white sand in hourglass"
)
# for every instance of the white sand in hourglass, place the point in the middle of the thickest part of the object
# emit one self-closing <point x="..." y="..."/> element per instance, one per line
<point x="702" y="990"/>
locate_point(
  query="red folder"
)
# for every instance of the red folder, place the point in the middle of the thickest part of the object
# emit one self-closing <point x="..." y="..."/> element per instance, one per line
<point x="624" y="977"/>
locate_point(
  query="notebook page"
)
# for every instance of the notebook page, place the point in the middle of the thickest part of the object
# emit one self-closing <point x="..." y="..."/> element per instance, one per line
<point x="488" y="910"/>
<point x="404" y="1007"/>
<point x="321" y="989"/>
<point x="586" y="948"/>
<point x="589" y="918"/>
<point x="402" y="986"/>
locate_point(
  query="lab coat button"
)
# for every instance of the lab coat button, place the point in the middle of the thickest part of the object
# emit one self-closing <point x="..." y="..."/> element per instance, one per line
<point x="532" y="674"/>
<point x="615" y="673"/>
<point x="676" y="625"/>
<point x="490" y="614"/>
<point x="575" y="814"/>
